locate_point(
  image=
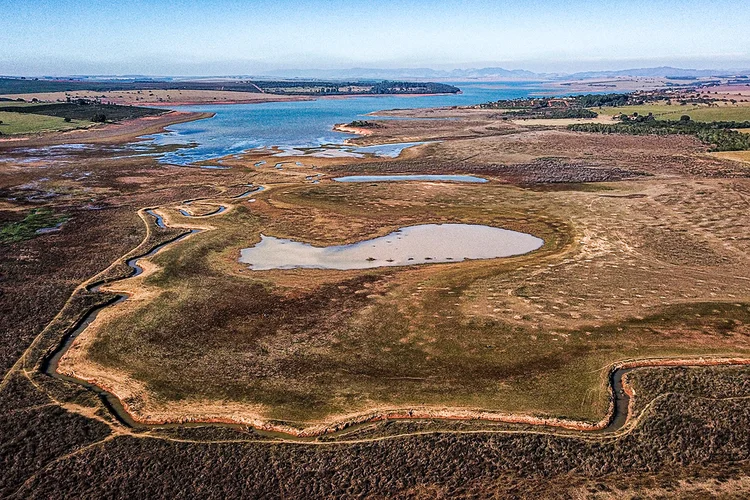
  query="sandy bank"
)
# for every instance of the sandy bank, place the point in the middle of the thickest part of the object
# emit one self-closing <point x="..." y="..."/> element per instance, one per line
<point x="340" y="127"/>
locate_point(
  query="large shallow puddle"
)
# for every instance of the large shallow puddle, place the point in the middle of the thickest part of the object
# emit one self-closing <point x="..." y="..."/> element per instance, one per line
<point x="409" y="177"/>
<point x="410" y="245"/>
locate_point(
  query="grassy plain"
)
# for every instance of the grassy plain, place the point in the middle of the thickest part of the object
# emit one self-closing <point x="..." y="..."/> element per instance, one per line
<point x="75" y="111"/>
<point x="27" y="123"/>
<point x="701" y="113"/>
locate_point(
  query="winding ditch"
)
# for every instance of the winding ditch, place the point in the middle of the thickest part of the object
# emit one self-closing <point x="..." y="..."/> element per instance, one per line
<point x="50" y="364"/>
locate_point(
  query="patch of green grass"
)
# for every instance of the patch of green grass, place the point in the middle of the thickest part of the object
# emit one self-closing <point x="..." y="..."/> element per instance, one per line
<point x="85" y="110"/>
<point x="28" y="123"/>
<point x="18" y="104"/>
<point x="722" y="113"/>
<point x="675" y="111"/>
<point x="27" y="228"/>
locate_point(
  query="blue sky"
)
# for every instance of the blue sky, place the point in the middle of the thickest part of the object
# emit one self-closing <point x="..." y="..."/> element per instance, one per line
<point x="245" y="37"/>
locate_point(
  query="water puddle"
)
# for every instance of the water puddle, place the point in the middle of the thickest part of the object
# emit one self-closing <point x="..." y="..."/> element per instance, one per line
<point x="253" y="189"/>
<point x="396" y="178"/>
<point x="215" y="167"/>
<point x="387" y="150"/>
<point x="52" y="229"/>
<point x="427" y="243"/>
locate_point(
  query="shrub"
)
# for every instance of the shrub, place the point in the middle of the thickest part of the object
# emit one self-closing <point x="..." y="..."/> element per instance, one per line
<point x="364" y="124"/>
<point x="718" y="134"/>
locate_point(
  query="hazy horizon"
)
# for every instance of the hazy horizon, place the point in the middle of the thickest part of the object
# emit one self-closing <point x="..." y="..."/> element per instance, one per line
<point x="292" y="72"/>
<point x="160" y="37"/>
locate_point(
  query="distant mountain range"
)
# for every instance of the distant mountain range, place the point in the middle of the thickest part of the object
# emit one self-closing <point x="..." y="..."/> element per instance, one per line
<point x="660" y="72"/>
<point x="494" y="73"/>
<point x="487" y="74"/>
<point x="407" y="73"/>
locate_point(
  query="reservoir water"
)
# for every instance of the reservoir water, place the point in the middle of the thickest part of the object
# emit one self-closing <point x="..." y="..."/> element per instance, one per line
<point x="308" y="124"/>
<point x="426" y="243"/>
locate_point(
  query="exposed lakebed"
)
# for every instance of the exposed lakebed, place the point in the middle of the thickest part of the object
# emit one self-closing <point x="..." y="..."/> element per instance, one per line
<point x="427" y="243"/>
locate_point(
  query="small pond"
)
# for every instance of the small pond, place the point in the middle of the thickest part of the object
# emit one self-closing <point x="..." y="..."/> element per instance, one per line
<point x="404" y="177"/>
<point x="427" y="243"/>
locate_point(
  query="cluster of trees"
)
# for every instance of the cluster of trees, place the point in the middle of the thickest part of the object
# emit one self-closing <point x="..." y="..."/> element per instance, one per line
<point x="81" y="101"/>
<point x="364" y="124"/>
<point x="602" y="100"/>
<point x="83" y="109"/>
<point x="720" y="134"/>
<point x="580" y="101"/>
<point x="516" y="104"/>
<point x="551" y="113"/>
<point x="413" y="88"/>
<point x="725" y="140"/>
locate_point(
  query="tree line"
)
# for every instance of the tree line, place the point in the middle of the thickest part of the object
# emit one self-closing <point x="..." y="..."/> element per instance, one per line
<point x="720" y="134"/>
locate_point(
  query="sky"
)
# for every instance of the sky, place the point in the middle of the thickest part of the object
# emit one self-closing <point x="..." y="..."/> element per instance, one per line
<point x="232" y="37"/>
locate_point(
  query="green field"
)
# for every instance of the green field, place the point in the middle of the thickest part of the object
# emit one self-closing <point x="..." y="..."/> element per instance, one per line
<point x="27" y="123"/>
<point x="27" y="228"/>
<point x="17" y="104"/>
<point x="673" y="112"/>
<point x="86" y="111"/>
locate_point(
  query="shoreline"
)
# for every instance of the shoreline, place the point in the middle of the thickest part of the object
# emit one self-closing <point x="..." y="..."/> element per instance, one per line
<point x="244" y="98"/>
<point x="346" y="129"/>
<point x="281" y="98"/>
<point x="162" y="104"/>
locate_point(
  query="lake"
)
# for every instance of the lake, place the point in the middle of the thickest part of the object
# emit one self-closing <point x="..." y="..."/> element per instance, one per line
<point x="307" y="124"/>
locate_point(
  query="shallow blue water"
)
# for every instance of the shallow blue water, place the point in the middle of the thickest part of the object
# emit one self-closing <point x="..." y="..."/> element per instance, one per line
<point x="305" y="124"/>
<point x="406" y="177"/>
<point x="390" y="150"/>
